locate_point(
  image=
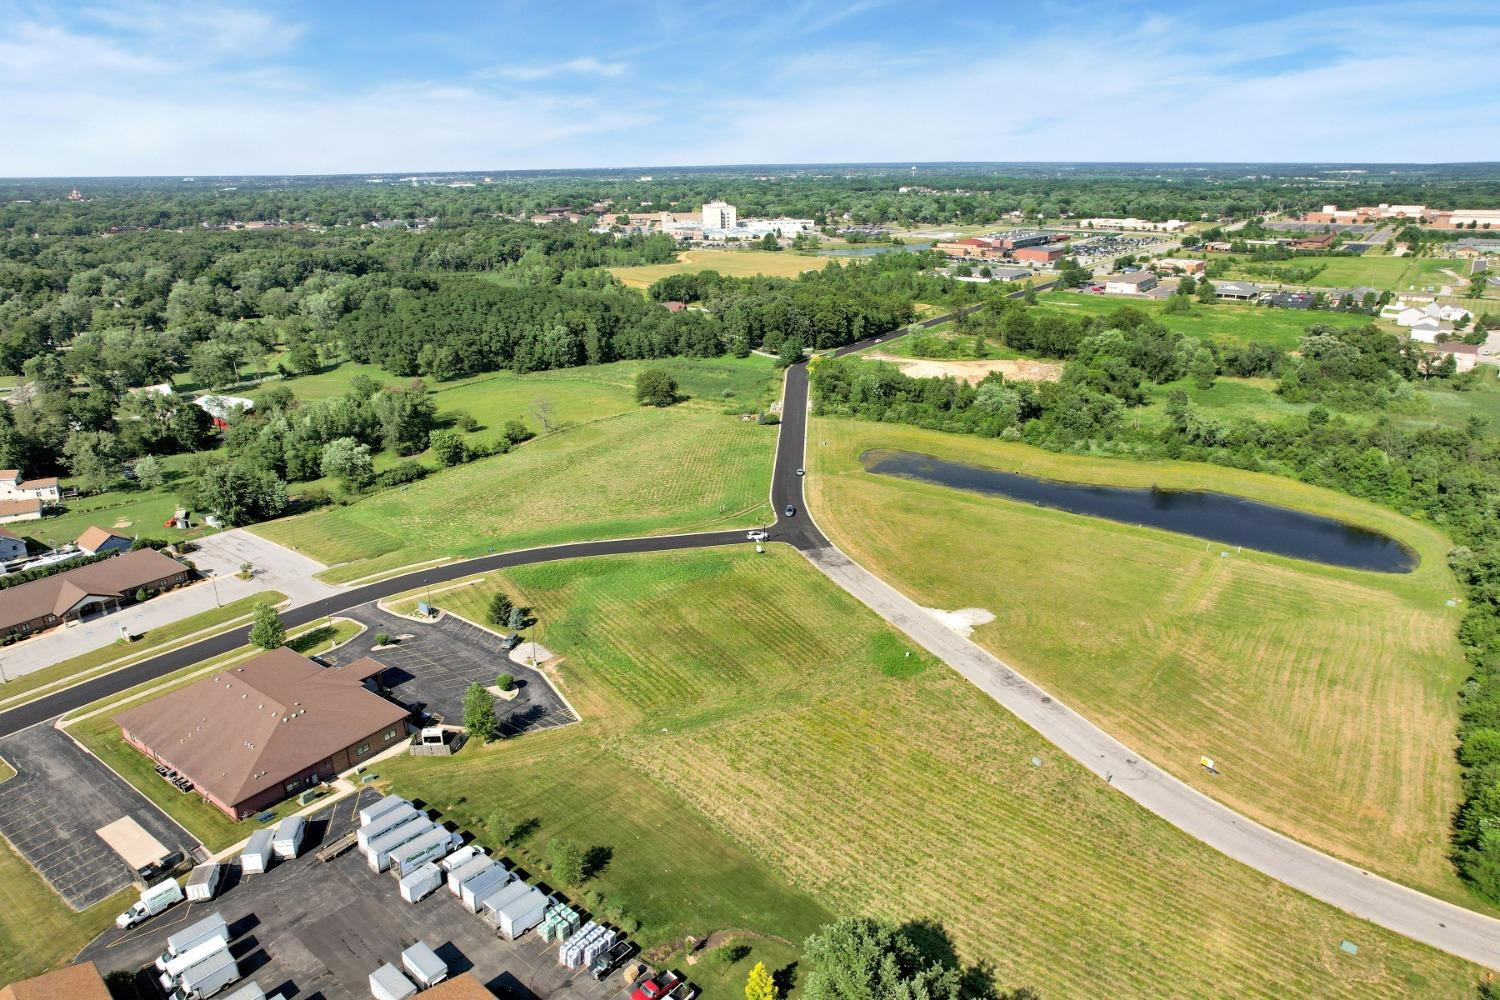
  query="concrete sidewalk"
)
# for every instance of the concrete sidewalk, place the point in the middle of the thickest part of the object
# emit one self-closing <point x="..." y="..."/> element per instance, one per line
<point x="219" y="557"/>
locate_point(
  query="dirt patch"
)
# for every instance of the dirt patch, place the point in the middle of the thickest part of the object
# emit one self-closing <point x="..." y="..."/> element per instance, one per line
<point x="973" y="371"/>
<point x="964" y="620"/>
<point x="123" y="522"/>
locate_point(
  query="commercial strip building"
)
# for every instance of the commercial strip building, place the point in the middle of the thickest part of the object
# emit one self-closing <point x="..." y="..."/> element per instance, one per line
<point x="1237" y="291"/>
<point x="1144" y="225"/>
<point x="1133" y="283"/>
<point x="97" y="588"/>
<point x="253" y="734"/>
<point x="1179" y="265"/>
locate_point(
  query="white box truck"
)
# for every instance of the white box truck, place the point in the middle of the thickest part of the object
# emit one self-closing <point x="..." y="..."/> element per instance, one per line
<point x="203" y="883"/>
<point x="153" y="900"/>
<point x="210" y="928"/>
<point x="458" y="876"/>
<point x="255" y="859"/>
<point x="421" y="883"/>
<point x="378" y="851"/>
<point x="415" y="853"/>
<point x="379" y="808"/>
<point x="521" y="914"/>
<point x="423" y="965"/>
<point x="488" y="905"/>
<point x="250" y="991"/>
<point x="287" y="842"/>
<point x="207" y="978"/>
<point x="460" y="857"/>
<point x="488" y="881"/>
<point x="387" y="983"/>
<point x="385" y="823"/>
<point x="175" y="966"/>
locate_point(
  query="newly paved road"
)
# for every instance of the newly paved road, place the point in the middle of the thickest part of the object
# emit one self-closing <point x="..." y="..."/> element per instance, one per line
<point x="1406" y="911"/>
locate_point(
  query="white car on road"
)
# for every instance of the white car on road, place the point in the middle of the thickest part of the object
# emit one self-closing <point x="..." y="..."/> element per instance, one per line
<point x="757" y="536"/>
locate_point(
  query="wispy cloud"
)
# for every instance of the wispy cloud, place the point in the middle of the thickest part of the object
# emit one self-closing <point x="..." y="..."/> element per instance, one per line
<point x="582" y="66"/>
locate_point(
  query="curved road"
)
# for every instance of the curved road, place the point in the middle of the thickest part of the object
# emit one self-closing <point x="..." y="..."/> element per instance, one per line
<point x="1406" y="911"/>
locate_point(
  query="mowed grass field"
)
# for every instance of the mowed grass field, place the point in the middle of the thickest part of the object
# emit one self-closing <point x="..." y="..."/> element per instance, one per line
<point x="746" y="704"/>
<point x="1325" y="695"/>
<point x="731" y="263"/>
<point x="1394" y="274"/>
<point x="37" y="930"/>
<point x="1224" y="322"/>
<point x="642" y="472"/>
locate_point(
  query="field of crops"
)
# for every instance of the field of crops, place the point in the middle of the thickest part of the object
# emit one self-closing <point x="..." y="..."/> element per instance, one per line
<point x="749" y="691"/>
<point x="733" y="263"/>
<point x="1326" y="695"/>
<point x="643" y="472"/>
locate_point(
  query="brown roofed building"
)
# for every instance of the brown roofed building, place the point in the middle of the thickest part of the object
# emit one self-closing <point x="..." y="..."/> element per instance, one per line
<point x="460" y="987"/>
<point x="1320" y="241"/>
<point x="97" y="588"/>
<point x="76" y="982"/>
<point x="255" y="733"/>
<point x="20" y="510"/>
<point x="96" y="539"/>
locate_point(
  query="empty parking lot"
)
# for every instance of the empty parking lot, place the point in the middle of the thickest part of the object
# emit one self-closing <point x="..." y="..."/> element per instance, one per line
<point x="58" y="798"/>
<point x="309" y="929"/>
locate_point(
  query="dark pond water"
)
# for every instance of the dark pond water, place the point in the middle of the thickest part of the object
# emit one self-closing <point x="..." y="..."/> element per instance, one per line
<point x="1219" y="517"/>
<point x="876" y="249"/>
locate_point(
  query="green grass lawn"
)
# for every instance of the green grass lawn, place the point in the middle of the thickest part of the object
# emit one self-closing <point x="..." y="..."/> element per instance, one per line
<point x="759" y="751"/>
<point x="943" y="343"/>
<point x="129" y="511"/>
<point x="1223" y="322"/>
<point x="643" y="472"/>
<point x="37" y="930"/>
<point x="1394" y="274"/>
<point x="1325" y="694"/>
<point x="148" y="643"/>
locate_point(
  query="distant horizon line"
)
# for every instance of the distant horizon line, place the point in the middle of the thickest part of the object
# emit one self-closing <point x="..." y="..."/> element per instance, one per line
<point x="893" y="165"/>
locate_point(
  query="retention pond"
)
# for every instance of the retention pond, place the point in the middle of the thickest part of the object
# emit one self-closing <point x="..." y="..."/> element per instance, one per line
<point x="1218" y="517"/>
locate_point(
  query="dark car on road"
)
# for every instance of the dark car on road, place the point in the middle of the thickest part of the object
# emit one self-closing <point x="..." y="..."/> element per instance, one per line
<point x="609" y="960"/>
<point x="790" y="510"/>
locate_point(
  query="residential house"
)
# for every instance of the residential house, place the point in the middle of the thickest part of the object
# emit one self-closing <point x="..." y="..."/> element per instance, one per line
<point x="12" y="545"/>
<point x="253" y="734"/>
<point x="1466" y="355"/>
<point x="223" y="408"/>
<point x="13" y="487"/>
<point x="20" y="510"/>
<point x="96" y="540"/>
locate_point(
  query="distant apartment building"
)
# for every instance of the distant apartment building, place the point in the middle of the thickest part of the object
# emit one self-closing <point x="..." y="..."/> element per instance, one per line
<point x="1181" y="265"/>
<point x="719" y="215"/>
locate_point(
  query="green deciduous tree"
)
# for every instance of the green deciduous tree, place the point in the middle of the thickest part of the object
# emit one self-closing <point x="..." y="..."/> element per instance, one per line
<point x="479" y="713"/>
<point x="266" y="630"/>
<point x="655" y="387"/>
<point x="94" y="457"/>
<point x="565" y="861"/>
<point x="348" y="460"/>
<point x="448" y="447"/>
<point x="149" y="473"/>
<point x="238" y="495"/>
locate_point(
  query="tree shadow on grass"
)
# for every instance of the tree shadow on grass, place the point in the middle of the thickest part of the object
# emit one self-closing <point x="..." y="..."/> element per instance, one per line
<point x="596" y="859"/>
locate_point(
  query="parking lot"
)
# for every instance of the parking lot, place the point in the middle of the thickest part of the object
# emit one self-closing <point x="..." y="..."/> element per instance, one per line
<point x="308" y="929"/>
<point x="431" y="671"/>
<point x="58" y="798"/>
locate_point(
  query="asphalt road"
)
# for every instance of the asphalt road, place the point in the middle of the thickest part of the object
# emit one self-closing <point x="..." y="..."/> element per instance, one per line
<point x="1443" y="925"/>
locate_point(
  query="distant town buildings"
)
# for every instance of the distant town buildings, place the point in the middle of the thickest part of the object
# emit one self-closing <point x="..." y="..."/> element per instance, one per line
<point x="1133" y="283"/>
<point x="1144" y="225"/>
<point x="718" y="215"/>
<point x="1459" y="218"/>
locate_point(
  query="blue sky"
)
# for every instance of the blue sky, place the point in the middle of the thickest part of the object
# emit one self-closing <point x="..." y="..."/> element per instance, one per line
<point x="323" y="86"/>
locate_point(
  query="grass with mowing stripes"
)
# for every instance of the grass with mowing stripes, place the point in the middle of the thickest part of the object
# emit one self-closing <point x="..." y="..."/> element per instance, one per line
<point x="749" y="690"/>
<point x="730" y="263"/>
<point x="1326" y="695"/>
<point x="1393" y="274"/>
<point x="37" y="930"/>
<point x="644" y="472"/>
<point x="1223" y="322"/>
<point x="104" y="658"/>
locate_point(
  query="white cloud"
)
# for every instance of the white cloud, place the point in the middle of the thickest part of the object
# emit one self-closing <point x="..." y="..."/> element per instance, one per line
<point x="582" y="66"/>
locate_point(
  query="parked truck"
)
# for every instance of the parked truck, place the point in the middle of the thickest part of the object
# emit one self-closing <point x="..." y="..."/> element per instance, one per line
<point x="387" y="983"/>
<point x="153" y="900"/>
<point x="419" y="884"/>
<point x="287" y="843"/>
<point x="488" y="905"/>
<point x="378" y="851"/>
<point x="418" y="851"/>
<point x="519" y="915"/>
<point x="256" y="858"/>
<point x="485" y="882"/>
<point x="461" y="857"/>
<point x="174" y="967"/>
<point x="476" y="866"/>
<point x="385" y="823"/>
<point x="210" y="928"/>
<point x="380" y="808"/>
<point x="207" y="978"/>
<point x="203" y="883"/>
<point x="250" y="991"/>
<point x="423" y="965"/>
